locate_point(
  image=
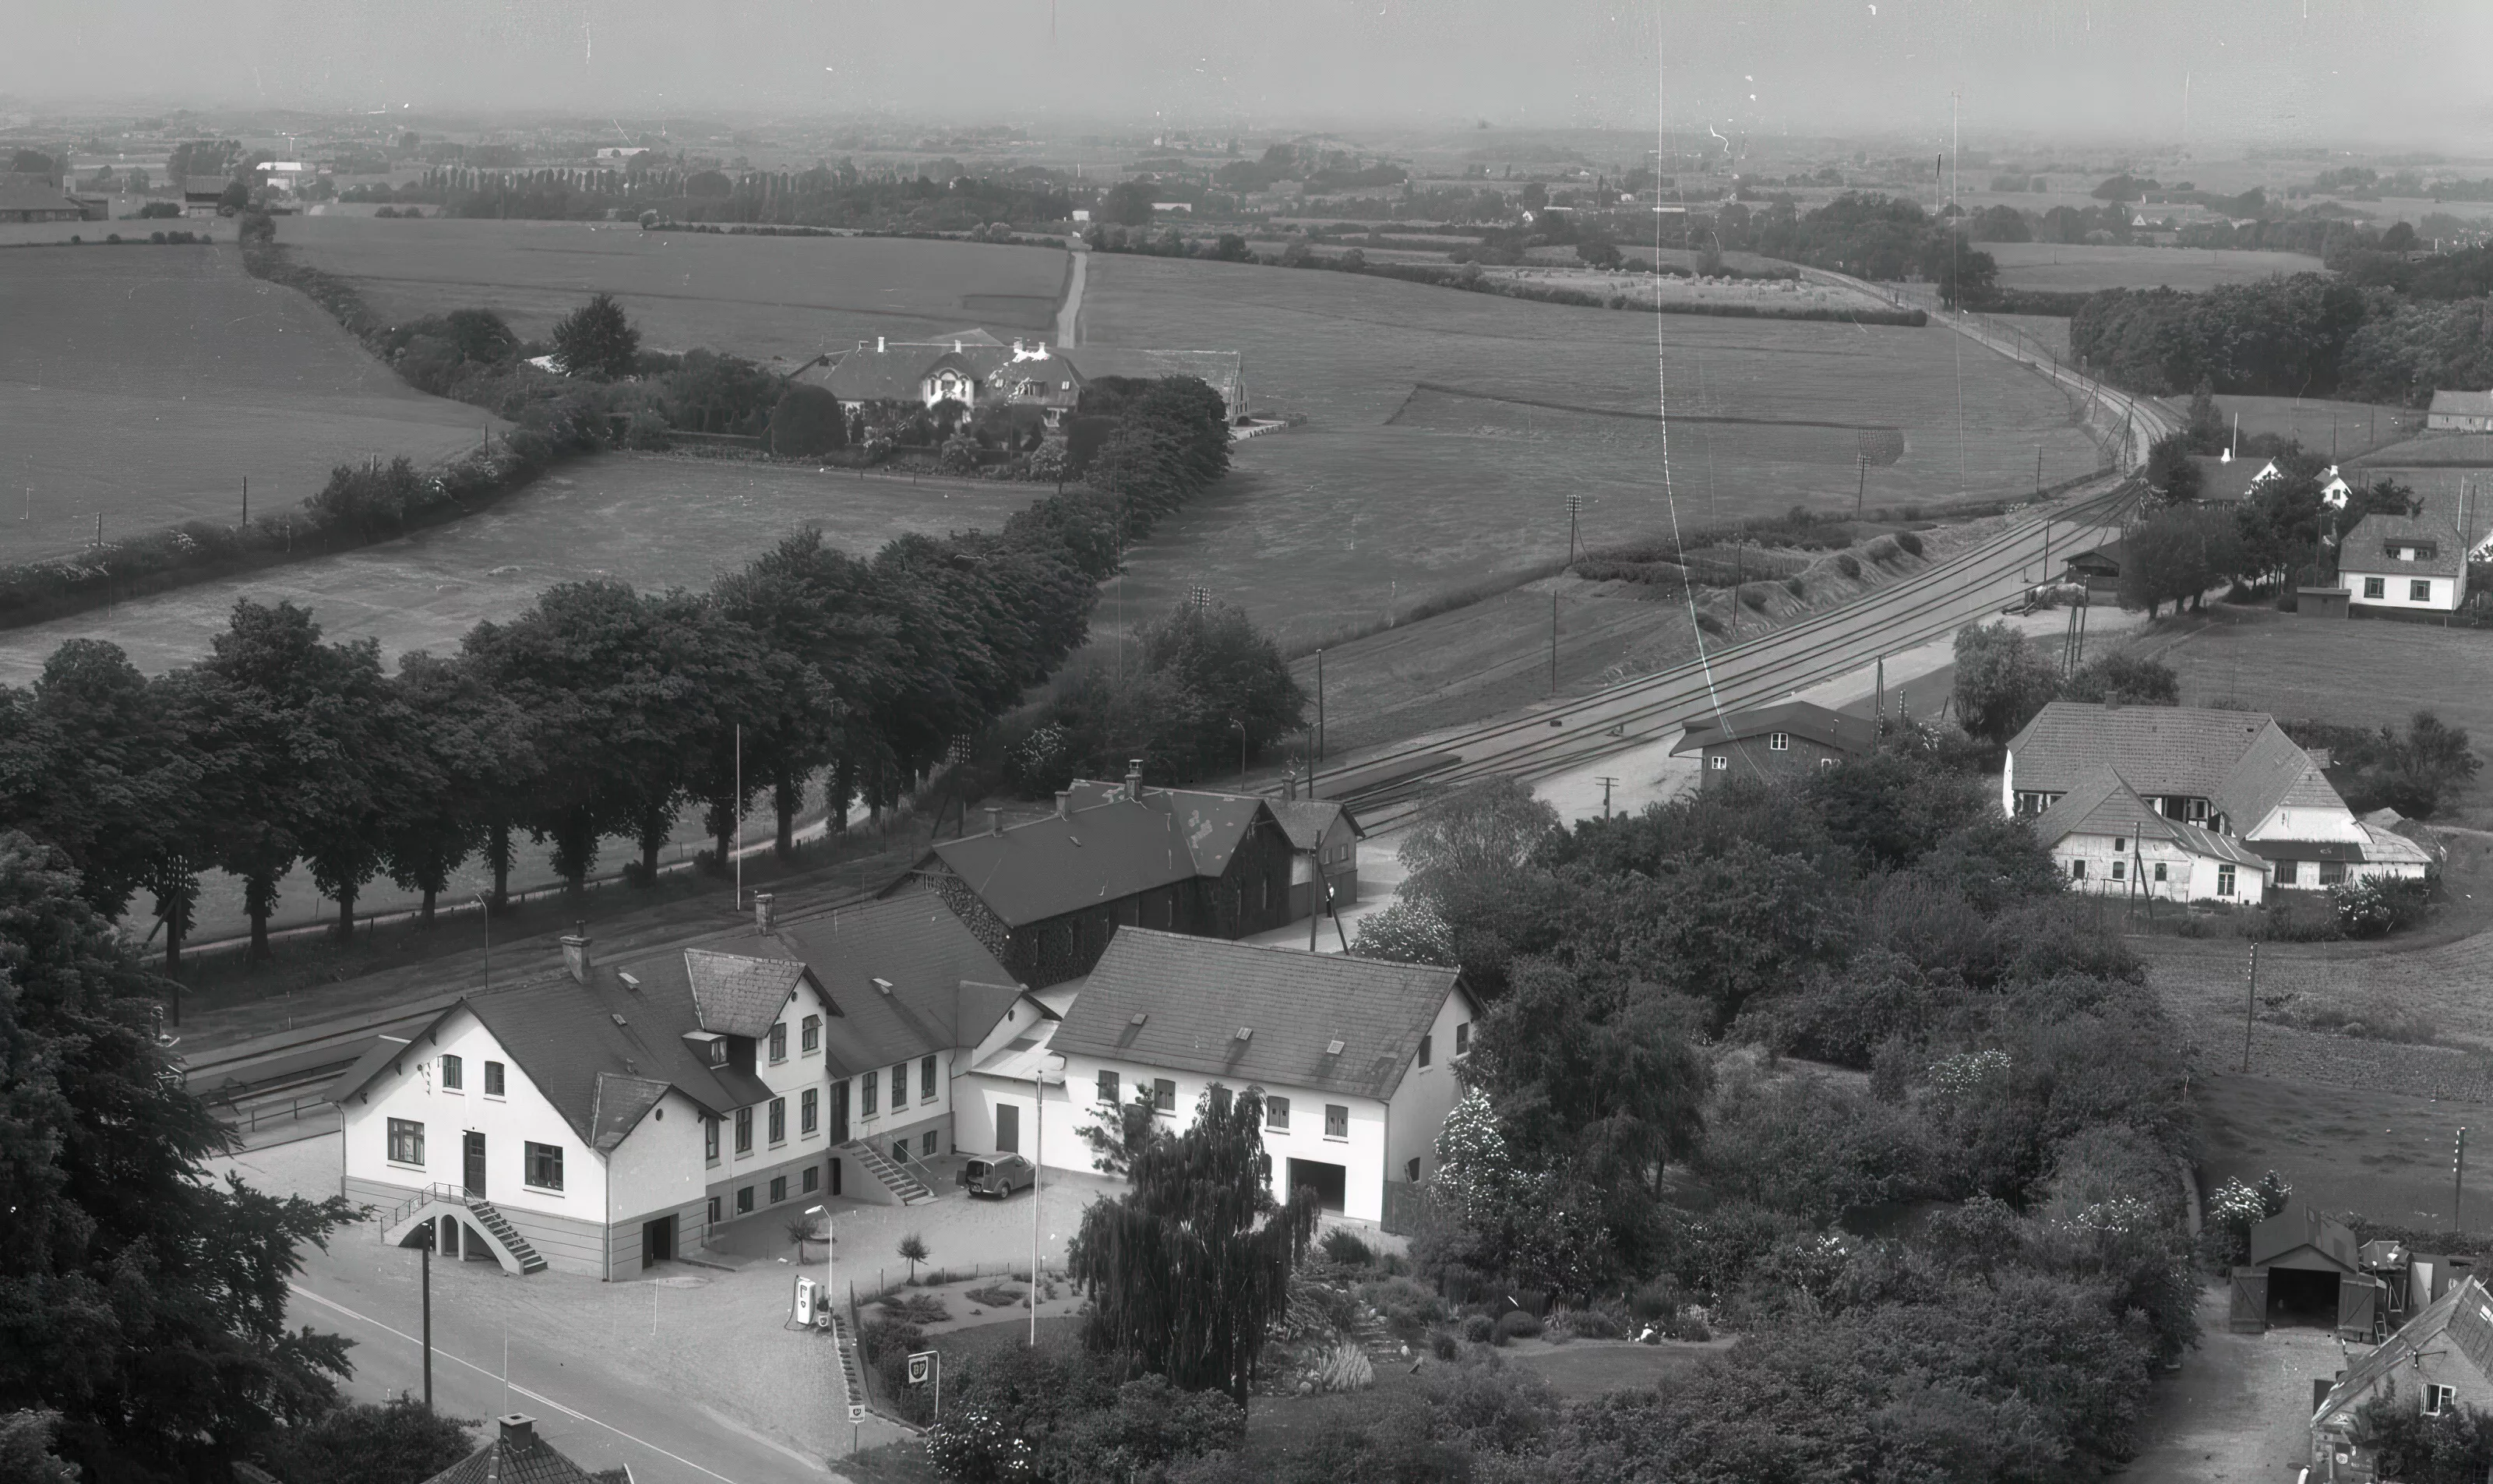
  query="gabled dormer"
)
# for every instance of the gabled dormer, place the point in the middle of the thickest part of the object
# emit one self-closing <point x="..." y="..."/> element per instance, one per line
<point x="738" y="1000"/>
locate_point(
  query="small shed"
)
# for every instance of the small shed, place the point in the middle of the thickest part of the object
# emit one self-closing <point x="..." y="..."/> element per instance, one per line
<point x="2098" y="568"/>
<point x="2323" y="602"/>
<point x="2306" y="1269"/>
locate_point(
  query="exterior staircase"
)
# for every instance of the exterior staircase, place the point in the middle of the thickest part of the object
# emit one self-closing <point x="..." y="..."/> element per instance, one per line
<point x="904" y="1186"/>
<point x="476" y="1216"/>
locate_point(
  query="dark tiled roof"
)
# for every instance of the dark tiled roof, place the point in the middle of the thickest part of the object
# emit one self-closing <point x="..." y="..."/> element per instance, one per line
<point x="1304" y="820"/>
<point x="1196" y="994"/>
<point x="2464" y="1315"/>
<point x="23" y="192"/>
<point x="1307" y="821"/>
<point x="2463" y="403"/>
<point x="204" y="184"/>
<point x="2299" y="1225"/>
<point x="380" y="1054"/>
<point x="1101" y="852"/>
<point x="1833" y="728"/>
<point x="1223" y="370"/>
<point x="532" y="1461"/>
<point x="2105" y="558"/>
<point x="738" y="996"/>
<point x="2273" y="773"/>
<point x="2160" y="749"/>
<point x="2104" y="803"/>
<point x="898" y="371"/>
<point x="615" y="1107"/>
<point x="2366" y="548"/>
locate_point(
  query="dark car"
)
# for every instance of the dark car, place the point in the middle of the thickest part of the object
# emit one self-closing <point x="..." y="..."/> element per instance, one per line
<point x="998" y="1176"/>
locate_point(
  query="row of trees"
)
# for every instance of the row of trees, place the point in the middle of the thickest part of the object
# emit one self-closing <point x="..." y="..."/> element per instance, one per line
<point x="2303" y="334"/>
<point x="600" y="712"/>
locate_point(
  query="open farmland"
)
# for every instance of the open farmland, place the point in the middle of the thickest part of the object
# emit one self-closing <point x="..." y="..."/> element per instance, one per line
<point x="2084" y="267"/>
<point x="145" y="384"/>
<point x="2351" y="428"/>
<point x="1384" y="497"/>
<point x="652" y="521"/>
<point x="761" y="297"/>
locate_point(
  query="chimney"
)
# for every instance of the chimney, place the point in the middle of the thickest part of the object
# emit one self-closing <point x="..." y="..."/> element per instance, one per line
<point x="1064" y="802"/>
<point x="575" y="953"/>
<point x="878" y="345"/>
<point x="1135" y="778"/>
<point x="766" y="917"/>
<point x="995" y="821"/>
<point x="956" y="347"/>
<point x="1042" y="350"/>
<point x="519" y="1429"/>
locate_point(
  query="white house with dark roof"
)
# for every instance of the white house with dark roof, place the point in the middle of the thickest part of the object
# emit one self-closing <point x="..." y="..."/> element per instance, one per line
<point x="2235" y="775"/>
<point x="1356" y="1057"/>
<point x="2437" y="1362"/>
<point x="2455" y="411"/>
<point x="2410" y="563"/>
<point x="616" y="1116"/>
<point x="2108" y="841"/>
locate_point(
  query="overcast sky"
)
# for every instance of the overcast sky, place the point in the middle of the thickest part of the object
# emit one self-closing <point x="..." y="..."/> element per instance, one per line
<point x="2393" y="71"/>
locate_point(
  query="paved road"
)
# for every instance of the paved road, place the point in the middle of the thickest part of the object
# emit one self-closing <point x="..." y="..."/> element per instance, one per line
<point x="1068" y="314"/>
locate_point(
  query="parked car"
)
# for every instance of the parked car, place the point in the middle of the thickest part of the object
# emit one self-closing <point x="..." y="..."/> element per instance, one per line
<point x="1000" y="1176"/>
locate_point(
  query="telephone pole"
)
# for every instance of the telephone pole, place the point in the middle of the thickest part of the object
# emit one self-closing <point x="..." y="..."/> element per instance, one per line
<point x="1553" y="643"/>
<point x="2250" y="1005"/>
<point x="1574" y="502"/>
<point x="2458" y="1185"/>
<point x="1606" y="781"/>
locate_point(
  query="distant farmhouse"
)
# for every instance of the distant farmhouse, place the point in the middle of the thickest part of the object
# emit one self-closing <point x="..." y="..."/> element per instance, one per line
<point x="2182" y="804"/>
<point x="1788" y="738"/>
<point x="2460" y="412"/>
<point x="2410" y="562"/>
<point x="201" y="194"/>
<point x="37" y="198"/>
<point x="976" y="370"/>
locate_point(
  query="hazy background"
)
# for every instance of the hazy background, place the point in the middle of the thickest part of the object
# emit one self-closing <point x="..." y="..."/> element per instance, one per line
<point x="2260" y="70"/>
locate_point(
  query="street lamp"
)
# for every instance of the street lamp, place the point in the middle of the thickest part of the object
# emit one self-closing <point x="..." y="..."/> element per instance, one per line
<point x="485" y="910"/>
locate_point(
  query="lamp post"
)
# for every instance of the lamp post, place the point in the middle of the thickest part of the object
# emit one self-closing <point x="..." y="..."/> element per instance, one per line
<point x="424" y="1269"/>
<point x="485" y="910"/>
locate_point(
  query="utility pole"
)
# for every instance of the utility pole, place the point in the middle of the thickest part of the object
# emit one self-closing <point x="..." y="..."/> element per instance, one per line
<point x="2038" y="471"/>
<point x="1861" y="489"/>
<point x="1881" y="704"/>
<point x="2458" y="1185"/>
<point x="246" y="501"/>
<point x="1606" y="781"/>
<point x="1320" y="721"/>
<point x="2250" y="1005"/>
<point x="431" y="1228"/>
<point x="1553" y="643"/>
<point x="1574" y="502"/>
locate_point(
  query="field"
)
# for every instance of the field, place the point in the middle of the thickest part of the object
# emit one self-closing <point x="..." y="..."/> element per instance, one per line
<point x="2079" y="268"/>
<point x="145" y="384"/>
<point x="1382" y="497"/>
<point x="762" y="297"/>
<point x="1783" y="296"/>
<point x="2352" y="429"/>
<point x="651" y="520"/>
<point x="2385" y="1155"/>
<point x="2442" y="450"/>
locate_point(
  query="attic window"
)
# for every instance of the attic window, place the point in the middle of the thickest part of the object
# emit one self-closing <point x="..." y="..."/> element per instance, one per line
<point x="620" y="1020"/>
<point x="1333" y="1048"/>
<point x="1245" y="1032"/>
<point x="1139" y="1018"/>
<point x="885" y="985"/>
<point x="630" y="983"/>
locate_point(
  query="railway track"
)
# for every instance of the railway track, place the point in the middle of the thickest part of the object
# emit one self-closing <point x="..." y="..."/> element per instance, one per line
<point x="1839" y="641"/>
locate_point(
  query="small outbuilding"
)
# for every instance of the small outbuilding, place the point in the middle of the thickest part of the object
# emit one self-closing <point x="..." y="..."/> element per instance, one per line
<point x="2307" y="1271"/>
<point x="2455" y="411"/>
<point x="1765" y="742"/>
<point x="2098" y="568"/>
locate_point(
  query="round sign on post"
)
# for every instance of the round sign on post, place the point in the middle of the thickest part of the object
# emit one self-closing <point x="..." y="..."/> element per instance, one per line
<point x="857" y="1411"/>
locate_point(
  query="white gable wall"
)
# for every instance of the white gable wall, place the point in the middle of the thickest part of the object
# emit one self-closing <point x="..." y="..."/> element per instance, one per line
<point x="2396" y="586"/>
<point x="1419" y="1106"/>
<point x="2188" y="876"/>
<point x="2305" y="821"/>
<point x="655" y="1171"/>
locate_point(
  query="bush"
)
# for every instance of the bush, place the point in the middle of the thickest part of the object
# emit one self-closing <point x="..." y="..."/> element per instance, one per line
<point x="1910" y="542"/>
<point x="398" y="1442"/>
<point x="2303" y="918"/>
<point x="1585" y="1325"/>
<point x="1796" y="587"/>
<point x="1478" y="1327"/>
<point x="1343" y="1246"/>
<point x="807" y="422"/>
<point x="1848" y="564"/>
<point x="1443" y="1345"/>
<point x="1883" y="549"/>
<point x="1514" y="1324"/>
<point x="159" y="211"/>
<point x="2378" y="906"/>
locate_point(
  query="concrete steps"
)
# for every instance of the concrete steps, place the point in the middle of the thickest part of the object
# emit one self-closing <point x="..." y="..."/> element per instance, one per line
<point x="904" y="1186"/>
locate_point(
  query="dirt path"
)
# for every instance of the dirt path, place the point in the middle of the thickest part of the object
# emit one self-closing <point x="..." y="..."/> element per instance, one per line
<point x="2238" y="1411"/>
<point x="1068" y="314"/>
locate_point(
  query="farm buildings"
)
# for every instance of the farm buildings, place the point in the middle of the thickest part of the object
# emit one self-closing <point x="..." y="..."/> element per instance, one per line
<point x="1786" y="739"/>
<point x="36" y="198"/>
<point x="975" y="369"/>
<point x="2460" y="412"/>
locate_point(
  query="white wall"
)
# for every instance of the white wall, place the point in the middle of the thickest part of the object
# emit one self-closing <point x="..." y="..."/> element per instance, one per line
<point x="2302" y="822"/>
<point x="2188" y="876"/>
<point x="1419" y="1106"/>
<point x="2446" y="591"/>
<point x="887" y="1120"/>
<point x="411" y="1088"/>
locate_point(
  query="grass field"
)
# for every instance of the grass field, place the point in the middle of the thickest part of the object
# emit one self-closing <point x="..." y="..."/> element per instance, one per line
<point x="651" y="520"/>
<point x="2385" y="1155"/>
<point x="2445" y="450"/>
<point x="145" y="384"/>
<point x="2354" y="429"/>
<point x="1380" y="497"/>
<point x="2079" y="268"/>
<point x="762" y="297"/>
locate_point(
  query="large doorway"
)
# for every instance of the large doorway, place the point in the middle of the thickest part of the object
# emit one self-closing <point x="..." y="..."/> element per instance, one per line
<point x="840" y="1112"/>
<point x="2302" y="1297"/>
<point x="474" y="1173"/>
<point x="657" y="1241"/>
<point x="1329" y="1182"/>
<point x="1007" y="1129"/>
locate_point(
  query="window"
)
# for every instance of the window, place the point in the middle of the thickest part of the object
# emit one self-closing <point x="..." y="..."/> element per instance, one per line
<point x="454" y="1074"/>
<point x="2419" y="590"/>
<point x="865" y="1095"/>
<point x="778" y="1120"/>
<point x="926" y="1144"/>
<point x="2077" y="871"/>
<point x="2376" y="587"/>
<point x="926" y="1078"/>
<point x="718" y="1050"/>
<point x="1464" y="1039"/>
<point x="2332" y="872"/>
<point x="779" y="1043"/>
<point x="1411" y="1169"/>
<point x="2289" y="873"/>
<point x="744" y="1201"/>
<point x="709" y="1140"/>
<point x="899" y="1086"/>
<point x="2120" y="842"/>
<point x="1425" y="1042"/>
<point x="2120" y="871"/>
<point x="1276" y="1115"/>
<point x="744" y="1131"/>
<point x="2438" y="1400"/>
<point x="544" y="1165"/>
<point x="808" y="1111"/>
<point x="778" y="1189"/>
<point x="1164" y="1095"/>
<point x="406" y="1142"/>
<point x="1778" y="741"/>
<point x="1220" y="1100"/>
<point x="2224" y="880"/>
<point x="810" y="1039"/>
<point x="900" y="1151"/>
<point x="493" y="1079"/>
<point x="2159" y="870"/>
<point x="2198" y="810"/>
<point x="1111" y="1087"/>
<point x="1718" y="762"/>
<point x="813" y="1177"/>
<point x="1337" y="1121"/>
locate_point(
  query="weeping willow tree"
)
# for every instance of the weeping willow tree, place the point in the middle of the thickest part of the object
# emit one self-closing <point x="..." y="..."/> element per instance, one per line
<point x="1187" y="1270"/>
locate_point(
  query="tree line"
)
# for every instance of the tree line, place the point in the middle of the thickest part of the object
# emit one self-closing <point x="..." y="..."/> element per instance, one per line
<point x="2300" y="335"/>
<point x="601" y="712"/>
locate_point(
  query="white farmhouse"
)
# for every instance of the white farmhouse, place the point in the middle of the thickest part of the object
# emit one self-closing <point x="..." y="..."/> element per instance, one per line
<point x="1356" y="1057"/>
<point x="2418" y="563"/>
<point x="617" y="1115"/>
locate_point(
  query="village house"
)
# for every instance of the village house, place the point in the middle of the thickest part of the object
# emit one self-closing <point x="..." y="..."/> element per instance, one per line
<point x="2108" y="841"/>
<point x="619" y="1114"/>
<point x="1046" y="895"/>
<point x="202" y="195"/>
<point x="2437" y="1362"/>
<point x="976" y="370"/>
<point x="1783" y="740"/>
<point x="1322" y="832"/>
<point x="2460" y="412"/>
<point x="516" y="1455"/>
<point x="2412" y="563"/>
<point x="1356" y="1058"/>
<point x="2234" y="775"/>
<point x="29" y="197"/>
